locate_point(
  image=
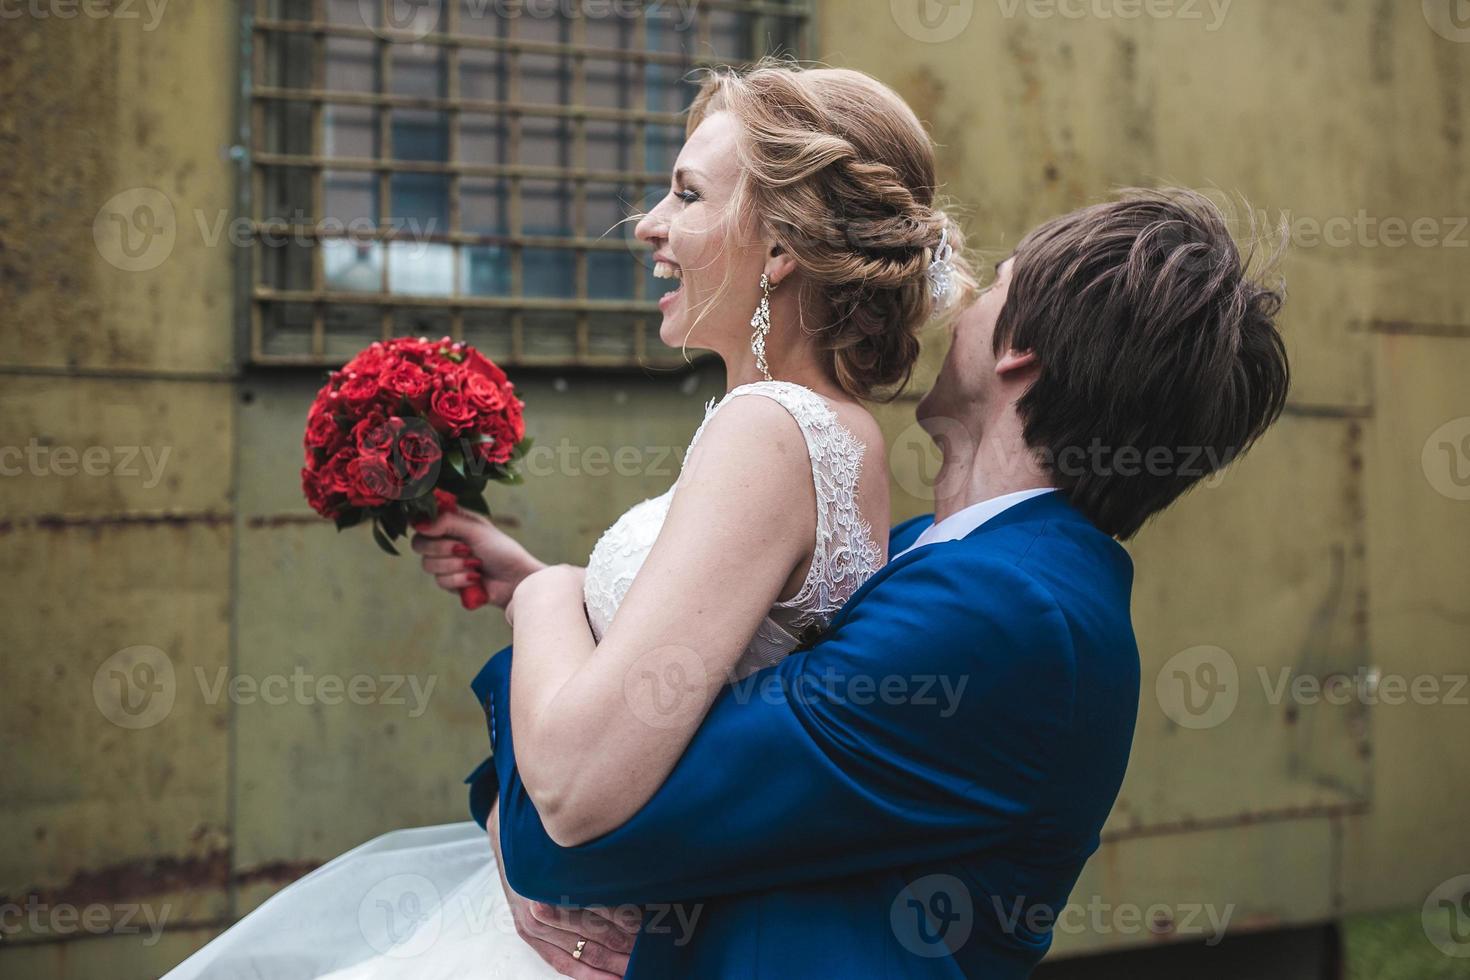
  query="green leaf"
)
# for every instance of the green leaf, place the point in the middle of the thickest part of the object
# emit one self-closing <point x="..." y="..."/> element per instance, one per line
<point x="423" y="505"/>
<point x="452" y="480"/>
<point x="475" y="502"/>
<point x="394" y="520"/>
<point x="383" y="541"/>
<point x="454" y="456"/>
<point x="348" y="518"/>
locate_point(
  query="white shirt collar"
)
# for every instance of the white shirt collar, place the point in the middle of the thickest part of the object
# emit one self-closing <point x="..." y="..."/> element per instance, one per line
<point x="962" y="522"/>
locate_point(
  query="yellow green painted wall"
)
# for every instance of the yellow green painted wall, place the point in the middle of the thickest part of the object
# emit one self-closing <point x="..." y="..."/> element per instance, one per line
<point x="1342" y="542"/>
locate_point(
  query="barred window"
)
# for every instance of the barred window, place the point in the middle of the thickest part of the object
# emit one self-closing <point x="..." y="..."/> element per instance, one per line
<point x="461" y="168"/>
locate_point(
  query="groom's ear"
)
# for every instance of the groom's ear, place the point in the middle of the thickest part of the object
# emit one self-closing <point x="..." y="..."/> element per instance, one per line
<point x="779" y="264"/>
<point x="1013" y="361"/>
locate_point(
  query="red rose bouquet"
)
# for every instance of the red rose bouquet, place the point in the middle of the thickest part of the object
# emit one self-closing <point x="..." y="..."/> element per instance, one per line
<point x="406" y="429"/>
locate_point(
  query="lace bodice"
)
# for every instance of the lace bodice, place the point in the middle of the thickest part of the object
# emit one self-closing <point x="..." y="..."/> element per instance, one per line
<point x="843" y="555"/>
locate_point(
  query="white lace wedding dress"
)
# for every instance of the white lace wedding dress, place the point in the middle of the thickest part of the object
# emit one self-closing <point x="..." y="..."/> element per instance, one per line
<point x="427" y="903"/>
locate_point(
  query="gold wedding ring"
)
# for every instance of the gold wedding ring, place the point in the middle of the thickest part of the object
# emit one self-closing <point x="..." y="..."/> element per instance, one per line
<point x="581" y="945"/>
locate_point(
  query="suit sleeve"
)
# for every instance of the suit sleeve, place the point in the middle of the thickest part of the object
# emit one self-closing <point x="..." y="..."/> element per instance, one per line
<point x="921" y="728"/>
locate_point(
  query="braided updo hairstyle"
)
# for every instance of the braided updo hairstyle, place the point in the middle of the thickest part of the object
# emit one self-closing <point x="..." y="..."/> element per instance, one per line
<point x="840" y="172"/>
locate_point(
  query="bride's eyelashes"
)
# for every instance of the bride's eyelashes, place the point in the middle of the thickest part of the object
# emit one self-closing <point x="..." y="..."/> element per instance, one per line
<point x="688" y="195"/>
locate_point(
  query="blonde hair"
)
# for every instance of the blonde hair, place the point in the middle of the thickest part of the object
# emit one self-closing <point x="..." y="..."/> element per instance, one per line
<point x="839" y="170"/>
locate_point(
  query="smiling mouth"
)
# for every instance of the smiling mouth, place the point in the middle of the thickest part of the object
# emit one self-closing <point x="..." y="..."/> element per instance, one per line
<point x="668" y="270"/>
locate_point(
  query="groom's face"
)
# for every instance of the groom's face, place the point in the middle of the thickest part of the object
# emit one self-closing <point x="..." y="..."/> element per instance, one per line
<point x="968" y="389"/>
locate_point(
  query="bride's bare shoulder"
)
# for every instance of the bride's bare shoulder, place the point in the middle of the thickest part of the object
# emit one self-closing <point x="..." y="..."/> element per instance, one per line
<point x="755" y="432"/>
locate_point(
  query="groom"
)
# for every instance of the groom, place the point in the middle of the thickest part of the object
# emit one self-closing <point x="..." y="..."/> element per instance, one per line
<point x="916" y="794"/>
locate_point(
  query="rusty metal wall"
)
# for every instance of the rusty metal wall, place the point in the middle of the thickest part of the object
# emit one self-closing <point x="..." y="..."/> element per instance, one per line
<point x="118" y="521"/>
<point x="180" y="640"/>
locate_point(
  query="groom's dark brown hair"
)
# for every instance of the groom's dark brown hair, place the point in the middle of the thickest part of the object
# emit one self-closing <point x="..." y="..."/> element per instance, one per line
<point x="1160" y="361"/>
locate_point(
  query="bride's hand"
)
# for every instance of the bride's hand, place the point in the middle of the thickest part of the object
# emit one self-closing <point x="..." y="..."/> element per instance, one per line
<point x="462" y="548"/>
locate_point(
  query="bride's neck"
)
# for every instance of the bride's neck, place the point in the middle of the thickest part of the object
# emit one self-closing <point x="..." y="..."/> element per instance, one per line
<point x="742" y="370"/>
<point x="801" y="364"/>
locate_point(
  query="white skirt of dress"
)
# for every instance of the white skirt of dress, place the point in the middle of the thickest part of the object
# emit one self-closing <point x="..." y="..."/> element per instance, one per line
<point x="425" y="904"/>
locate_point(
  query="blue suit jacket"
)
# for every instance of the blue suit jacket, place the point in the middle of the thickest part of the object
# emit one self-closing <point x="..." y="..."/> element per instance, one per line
<point x="913" y="796"/>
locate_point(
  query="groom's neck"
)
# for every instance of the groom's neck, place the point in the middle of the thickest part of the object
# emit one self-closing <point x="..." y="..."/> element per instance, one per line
<point x="997" y="463"/>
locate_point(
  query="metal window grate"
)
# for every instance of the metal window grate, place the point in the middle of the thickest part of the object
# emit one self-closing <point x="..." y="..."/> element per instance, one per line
<point x="461" y="167"/>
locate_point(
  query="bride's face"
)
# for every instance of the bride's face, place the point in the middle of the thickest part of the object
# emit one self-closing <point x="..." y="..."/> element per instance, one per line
<point x="701" y="244"/>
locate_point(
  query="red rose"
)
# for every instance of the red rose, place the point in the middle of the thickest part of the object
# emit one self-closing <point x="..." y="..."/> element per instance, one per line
<point x="321" y="429"/>
<point x="513" y="413"/>
<point x="370" y="361"/>
<point x="407" y="380"/>
<point x="417" y="348"/>
<point x="373" y="481"/>
<point x="333" y="474"/>
<point x="484" y="394"/>
<point x="481" y="365"/>
<point x="326" y="483"/>
<point x="513" y="418"/>
<point x="451" y="412"/>
<point x="375" y="434"/>
<point x="503" y="439"/>
<point x="316" y="494"/>
<point x="495" y="451"/>
<point x="359" y="390"/>
<point x="418" y="449"/>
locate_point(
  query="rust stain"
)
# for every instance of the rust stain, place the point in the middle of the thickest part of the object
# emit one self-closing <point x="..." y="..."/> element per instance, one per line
<point x="281" y="520"/>
<point x="131" y="880"/>
<point x="134" y="879"/>
<point x="275" y="872"/>
<point x="1411" y="329"/>
<point x="1190" y="825"/>
<point x="61" y="522"/>
<point x="270" y="521"/>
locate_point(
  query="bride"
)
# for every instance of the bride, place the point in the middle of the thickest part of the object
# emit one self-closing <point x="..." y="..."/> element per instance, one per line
<point x="801" y="232"/>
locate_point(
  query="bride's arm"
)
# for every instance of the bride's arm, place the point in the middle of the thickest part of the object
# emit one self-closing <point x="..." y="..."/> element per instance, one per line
<point x="599" y="727"/>
<point x="927" y="726"/>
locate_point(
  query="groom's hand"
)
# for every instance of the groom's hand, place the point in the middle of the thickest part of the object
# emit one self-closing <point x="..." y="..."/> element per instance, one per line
<point x="462" y="548"/>
<point x="554" y="933"/>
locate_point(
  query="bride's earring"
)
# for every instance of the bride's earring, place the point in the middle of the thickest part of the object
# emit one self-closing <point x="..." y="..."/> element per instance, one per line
<point x="761" y="322"/>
